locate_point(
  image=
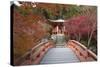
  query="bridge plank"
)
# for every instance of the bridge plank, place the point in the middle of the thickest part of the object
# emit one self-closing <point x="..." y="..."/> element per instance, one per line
<point x="59" y="55"/>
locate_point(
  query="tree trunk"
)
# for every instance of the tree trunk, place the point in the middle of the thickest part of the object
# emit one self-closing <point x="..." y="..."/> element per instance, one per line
<point x="79" y="37"/>
<point x="89" y="40"/>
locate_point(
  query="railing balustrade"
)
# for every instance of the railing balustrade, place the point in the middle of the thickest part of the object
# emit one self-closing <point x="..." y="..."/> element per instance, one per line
<point x="35" y="54"/>
<point x="81" y="51"/>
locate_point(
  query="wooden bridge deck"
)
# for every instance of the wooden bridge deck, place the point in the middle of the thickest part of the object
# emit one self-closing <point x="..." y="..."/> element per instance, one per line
<point x="59" y="55"/>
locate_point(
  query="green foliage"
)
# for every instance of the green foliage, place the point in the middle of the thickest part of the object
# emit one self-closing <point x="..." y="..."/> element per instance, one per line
<point x="70" y="12"/>
<point x="92" y="46"/>
<point x="48" y="14"/>
<point x="62" y="12"/>
<point x="37" y="11"/>
<point x="23" y="12"/>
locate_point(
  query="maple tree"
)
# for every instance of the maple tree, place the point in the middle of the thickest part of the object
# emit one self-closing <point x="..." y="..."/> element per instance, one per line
<point x="83" y="27"/>
<point x="28" y="29"/>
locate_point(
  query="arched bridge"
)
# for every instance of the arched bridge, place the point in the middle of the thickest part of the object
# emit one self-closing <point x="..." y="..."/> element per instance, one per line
<point x="47" y="52"/>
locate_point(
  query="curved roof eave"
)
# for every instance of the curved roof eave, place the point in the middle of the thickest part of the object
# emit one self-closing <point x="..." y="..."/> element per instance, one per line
<point x="58" y="20"/>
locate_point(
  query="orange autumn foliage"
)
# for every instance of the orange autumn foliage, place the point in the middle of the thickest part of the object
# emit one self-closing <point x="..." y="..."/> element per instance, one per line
<point x="26" y="32"/>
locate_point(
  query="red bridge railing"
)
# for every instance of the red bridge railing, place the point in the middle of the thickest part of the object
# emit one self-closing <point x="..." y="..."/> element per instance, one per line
<point x="35" y="55"/>
<point x="81" y="51"/>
